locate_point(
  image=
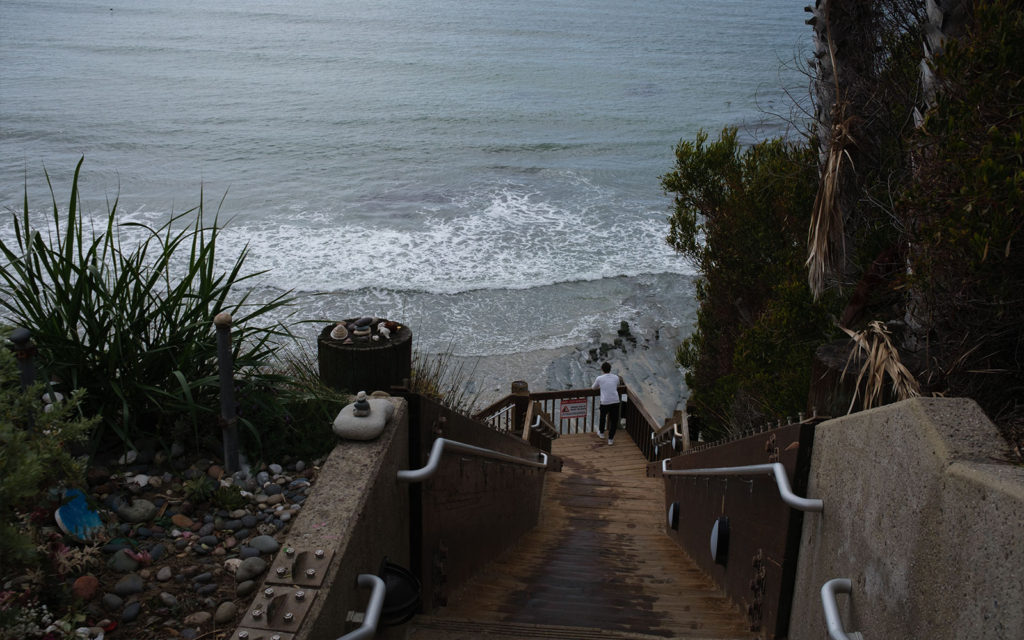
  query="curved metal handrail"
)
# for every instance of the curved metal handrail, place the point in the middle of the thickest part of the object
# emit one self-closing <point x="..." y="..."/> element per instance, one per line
<point x="373" y="608"/>
<point x="775" y="468"/>
<point x="828" y="603"/>
<point x="439" y="446"/>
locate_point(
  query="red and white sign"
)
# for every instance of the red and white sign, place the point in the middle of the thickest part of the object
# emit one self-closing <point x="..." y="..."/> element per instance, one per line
<point x="573" y="408"/>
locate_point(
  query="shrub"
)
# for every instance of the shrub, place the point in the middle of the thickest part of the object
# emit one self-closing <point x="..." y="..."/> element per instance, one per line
<point x="36" y="461"/>
<point x="741" y="216"/>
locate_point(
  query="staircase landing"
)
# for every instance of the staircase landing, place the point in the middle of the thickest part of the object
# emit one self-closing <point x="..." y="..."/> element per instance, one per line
<point x="598" y="565"/>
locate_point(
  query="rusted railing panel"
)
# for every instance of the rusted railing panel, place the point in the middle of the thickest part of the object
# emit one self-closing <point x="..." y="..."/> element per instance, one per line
<point x="472" y="508"/>
<point x="764" y="532"/>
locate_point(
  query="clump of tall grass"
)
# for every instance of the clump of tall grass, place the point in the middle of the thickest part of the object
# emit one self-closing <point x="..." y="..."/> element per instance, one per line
<point x="129" y="320"/>
<point x="439" y="377"/>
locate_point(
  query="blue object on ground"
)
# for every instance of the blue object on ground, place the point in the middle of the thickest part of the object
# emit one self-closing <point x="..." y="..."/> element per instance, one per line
<point x="76" y="519"/>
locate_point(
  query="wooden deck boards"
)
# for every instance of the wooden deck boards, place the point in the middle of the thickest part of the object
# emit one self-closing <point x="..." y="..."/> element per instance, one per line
<point x="598" y="560"/>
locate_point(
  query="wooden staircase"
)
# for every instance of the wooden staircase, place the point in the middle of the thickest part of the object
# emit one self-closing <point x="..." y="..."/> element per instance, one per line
<point x="597" y="566"/>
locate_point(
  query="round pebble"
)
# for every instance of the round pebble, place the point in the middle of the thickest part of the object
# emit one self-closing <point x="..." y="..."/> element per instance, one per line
<point x="265" y="544"/>
<point x="131" y="611"/>
<point x="168" y="600"/>
<point x="129" y="585"/>
<point x="225" y="612"/>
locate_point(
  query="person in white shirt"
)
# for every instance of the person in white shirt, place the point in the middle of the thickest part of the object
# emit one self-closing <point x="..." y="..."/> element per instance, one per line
<point x="608" y="383"/>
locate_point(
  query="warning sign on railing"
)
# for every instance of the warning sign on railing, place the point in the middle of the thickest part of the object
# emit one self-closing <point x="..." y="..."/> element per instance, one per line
<point x="573" y="408"/>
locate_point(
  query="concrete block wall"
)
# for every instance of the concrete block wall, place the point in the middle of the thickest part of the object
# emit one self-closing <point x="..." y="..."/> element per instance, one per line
<point x="358" y="513"/>
<point x="924" y="513"/>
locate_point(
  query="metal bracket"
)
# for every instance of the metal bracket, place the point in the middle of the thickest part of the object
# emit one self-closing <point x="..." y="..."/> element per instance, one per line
<point x="243" y="633"/>
<point x="279" y="608"/>
<point x="300" y="568"/>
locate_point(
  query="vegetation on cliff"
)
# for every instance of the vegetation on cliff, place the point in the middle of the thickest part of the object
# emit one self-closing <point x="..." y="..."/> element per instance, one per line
<point x="916" y="222"/>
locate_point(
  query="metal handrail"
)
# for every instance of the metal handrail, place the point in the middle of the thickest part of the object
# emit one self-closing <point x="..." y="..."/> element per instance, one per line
<point x="373" y="608"/>
<point x="776" y="468"/>
<point x="828" y="603"/>
<point x="418" y="475"/>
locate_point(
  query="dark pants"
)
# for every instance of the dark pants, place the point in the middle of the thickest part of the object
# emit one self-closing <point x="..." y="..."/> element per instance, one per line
<point x="609" y="412"/>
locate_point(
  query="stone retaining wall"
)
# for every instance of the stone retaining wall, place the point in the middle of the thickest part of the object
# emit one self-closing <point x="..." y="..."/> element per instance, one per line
<point x="924" y="513"/>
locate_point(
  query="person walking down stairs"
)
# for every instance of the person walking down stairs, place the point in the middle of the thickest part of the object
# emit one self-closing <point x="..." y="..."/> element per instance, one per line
<point x="608" y="383"/>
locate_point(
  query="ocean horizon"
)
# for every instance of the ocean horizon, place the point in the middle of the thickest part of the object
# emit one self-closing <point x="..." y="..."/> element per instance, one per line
<point x="487" y="172"/>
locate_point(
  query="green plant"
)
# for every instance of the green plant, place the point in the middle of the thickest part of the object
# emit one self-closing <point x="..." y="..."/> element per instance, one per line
<point x="125" y="314"/>
<point x="228" y="498"/>
<point x="36" y="461"/>
<point x="965" y="216"/>
<point x="439" y="377"/>
<point x="200" y="489"/>
<point x="741" y="216"/>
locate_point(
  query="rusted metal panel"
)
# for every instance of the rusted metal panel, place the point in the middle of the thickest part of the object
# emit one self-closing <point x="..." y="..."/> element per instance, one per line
<point x="473" y="508"/>
<point x="764" y="532"/>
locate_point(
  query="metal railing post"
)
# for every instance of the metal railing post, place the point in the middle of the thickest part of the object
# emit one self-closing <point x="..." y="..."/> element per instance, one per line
<point x="833" y="622"/>
<point x="228" y="418"/>
<point x="24" y="352"/>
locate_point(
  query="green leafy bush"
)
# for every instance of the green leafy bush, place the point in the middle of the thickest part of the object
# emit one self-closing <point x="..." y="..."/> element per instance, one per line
<point x="36" y="460"/>
<point x="965" y="215"/>
<point x="741" y="216"/>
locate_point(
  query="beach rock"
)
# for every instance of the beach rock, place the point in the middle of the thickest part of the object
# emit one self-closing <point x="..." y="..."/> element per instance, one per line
<point x="225" y="612"/>
<point x="122" y="561"/>
<point x="250" y="569"/>
<point x="139" y="510"/>
<point x="275" y="469"/>
<point x="86" y="587"/>
<point x="129" y="585"/>
<point x="231" y="565"/>
<point x="245" y="588"/>
<point x="198" y="619"/>
<point x="131" y="611"/>
<point x="168" y="600"/>
<point x="164" y="574"/>
<point x="181" y="521"/>
<point x="112" y="602"/>
<point x="265" y="544"/>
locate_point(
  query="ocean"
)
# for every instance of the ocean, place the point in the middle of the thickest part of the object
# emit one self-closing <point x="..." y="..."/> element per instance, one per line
<point x="485" y="172"/>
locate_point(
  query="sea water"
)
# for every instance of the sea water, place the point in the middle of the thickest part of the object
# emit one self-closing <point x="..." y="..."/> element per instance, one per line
<point x="485" y="171"/>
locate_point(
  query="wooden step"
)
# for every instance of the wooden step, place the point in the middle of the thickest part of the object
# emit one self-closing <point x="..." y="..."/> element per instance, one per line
<point x="598" y="565"/>
<point x="434" y="628"/>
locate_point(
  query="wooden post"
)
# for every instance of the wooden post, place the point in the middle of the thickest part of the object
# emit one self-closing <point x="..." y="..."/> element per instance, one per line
<point x="228" y="419"/>
<point x="521" y="393"/>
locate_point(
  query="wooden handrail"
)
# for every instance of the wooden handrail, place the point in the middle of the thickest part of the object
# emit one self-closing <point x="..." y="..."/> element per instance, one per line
<point x="639" y="422"/>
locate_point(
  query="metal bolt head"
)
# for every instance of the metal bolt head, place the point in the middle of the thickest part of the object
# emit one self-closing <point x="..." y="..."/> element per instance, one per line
<point x="276" y="636"/>
<point x="300" y="595"/>
<point x="288" y="551"/>
<point x="242" y="635"/>
<point x="257" y="613"/>
<point x="281" y="571"/>
<point x="319" y="553"/>
<point x="268" y="592"/>
<point x="310" y="572"/>
<point x="288" y="617"/>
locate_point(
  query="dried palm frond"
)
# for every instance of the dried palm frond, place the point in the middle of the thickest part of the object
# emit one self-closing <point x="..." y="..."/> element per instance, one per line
<point x="881" y="360"/>
<point x="826" y="248"/>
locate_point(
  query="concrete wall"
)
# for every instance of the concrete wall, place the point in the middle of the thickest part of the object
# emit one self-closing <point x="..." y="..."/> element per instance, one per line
<point x="924" y="513"/>
<point x="358" y="512"/>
